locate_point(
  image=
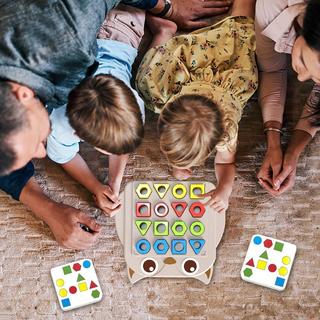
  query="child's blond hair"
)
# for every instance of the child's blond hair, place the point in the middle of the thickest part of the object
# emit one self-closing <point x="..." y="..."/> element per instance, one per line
<point x="189" y="127"/>
<point x="104" y="112"/>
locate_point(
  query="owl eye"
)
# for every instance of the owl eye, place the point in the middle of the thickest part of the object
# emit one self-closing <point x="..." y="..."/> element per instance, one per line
<point x="190" y="266"/>
<point x="149" y="266"/>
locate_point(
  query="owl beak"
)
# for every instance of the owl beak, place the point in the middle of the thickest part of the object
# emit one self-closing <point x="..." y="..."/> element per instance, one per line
<point x="169" y="260"/>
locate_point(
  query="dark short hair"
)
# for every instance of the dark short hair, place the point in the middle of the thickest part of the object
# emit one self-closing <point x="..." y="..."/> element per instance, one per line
<point x="13" y="118"/>
<point x="311" y="33"/>
<point x="311" y="25"/>
<point x="104" y="112"/>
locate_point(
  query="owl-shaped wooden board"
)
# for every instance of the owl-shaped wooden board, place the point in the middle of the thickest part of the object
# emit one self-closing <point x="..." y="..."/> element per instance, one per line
<point x="166" y="230"/>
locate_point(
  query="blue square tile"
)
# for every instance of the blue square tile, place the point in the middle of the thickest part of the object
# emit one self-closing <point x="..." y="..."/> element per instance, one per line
<point x="280" y="282"/>
<point x="66" y="302"/>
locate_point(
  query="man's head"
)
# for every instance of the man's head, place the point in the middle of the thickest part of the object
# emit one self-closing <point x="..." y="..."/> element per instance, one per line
<point x="189" y="127"/>
<point x="24" y="127"/>
<point x="306" y="49"/>
<point x="104" y="112"/>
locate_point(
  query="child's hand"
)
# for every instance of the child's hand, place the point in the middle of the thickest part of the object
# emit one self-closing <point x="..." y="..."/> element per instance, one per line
<point x="106" y="199"/>
<point x="219" y="200"/>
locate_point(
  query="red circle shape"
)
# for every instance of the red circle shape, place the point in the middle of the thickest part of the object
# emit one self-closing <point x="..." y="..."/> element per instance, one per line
<point x="73" y="290"/>
<point x="76" y="267"/>
<point x="272" y="267"/>
<point x="267" y="243"/>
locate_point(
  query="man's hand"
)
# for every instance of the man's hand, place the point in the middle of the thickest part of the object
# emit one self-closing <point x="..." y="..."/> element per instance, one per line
<point x="186" y="13"/>
<point x="65" y="222"/>
<point x="219" y="199"/>
<point x="106" y="199"/>
<point x="270" y="169"/>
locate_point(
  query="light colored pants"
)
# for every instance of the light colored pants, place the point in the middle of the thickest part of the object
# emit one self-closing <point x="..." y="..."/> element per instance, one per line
<point x="124" y="24"/>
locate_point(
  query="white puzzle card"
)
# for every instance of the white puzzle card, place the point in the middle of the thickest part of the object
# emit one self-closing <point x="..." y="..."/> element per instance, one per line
<point x="268" y="262"/>
<point x="76" y="284"/>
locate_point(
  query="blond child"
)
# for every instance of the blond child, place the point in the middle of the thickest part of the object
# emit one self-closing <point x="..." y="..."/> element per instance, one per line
<point x="199" y="84"/>
<point x="103" y="110"/>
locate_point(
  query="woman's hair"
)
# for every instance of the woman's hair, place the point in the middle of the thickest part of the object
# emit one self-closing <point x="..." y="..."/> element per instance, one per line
<point x="189" y="127"/>
<point x="104" y="112"/>
<point x="311" y="25"/>
<point x="311" y="34"/>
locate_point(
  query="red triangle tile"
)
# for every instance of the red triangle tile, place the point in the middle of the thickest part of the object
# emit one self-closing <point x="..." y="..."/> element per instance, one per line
<point x="250" y="263"/>
<point x="92" y="285"/>
<point x="179" y="212"/>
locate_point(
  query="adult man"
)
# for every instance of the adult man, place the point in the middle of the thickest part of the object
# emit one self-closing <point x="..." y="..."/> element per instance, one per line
<point x="47" y="47"/>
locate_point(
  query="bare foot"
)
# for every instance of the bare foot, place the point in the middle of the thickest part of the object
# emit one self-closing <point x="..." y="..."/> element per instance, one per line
<point x="181" y="174"/>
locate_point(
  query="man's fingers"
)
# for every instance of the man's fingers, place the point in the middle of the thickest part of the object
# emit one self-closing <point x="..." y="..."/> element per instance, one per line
<point x="87" y="221"/>
<point x="109" y="193"/>
<point x="216" y="4"/>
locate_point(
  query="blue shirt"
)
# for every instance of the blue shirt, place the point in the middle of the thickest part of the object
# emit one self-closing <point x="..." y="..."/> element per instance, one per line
<point x="114" y="58"/>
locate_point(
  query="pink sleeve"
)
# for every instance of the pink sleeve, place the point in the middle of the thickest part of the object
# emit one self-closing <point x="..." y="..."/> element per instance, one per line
<point x="272" y="70"/>
<point x="310" y="107"/>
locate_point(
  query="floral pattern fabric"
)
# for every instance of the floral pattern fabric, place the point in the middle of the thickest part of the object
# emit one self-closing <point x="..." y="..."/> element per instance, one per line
<point x="217" y="62"/>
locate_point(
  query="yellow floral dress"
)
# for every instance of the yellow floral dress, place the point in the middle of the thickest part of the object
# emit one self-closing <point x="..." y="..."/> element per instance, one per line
<point x="217" y="62"/>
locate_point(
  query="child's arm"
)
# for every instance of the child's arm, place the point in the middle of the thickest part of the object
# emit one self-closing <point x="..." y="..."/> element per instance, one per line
<point x="225" y="173"/>
<point x="105" y="197"/>
<point x="117" y="165"/>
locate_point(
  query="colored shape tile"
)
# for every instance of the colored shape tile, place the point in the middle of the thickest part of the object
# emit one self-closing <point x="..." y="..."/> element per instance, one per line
<point x="60" y="282"/>
<point x="178" y="246"/>
<point x="179" y="228"/>
<point x="262" y="264"/>
<point x="80" y="278"/>
<point x="65" y="303"/>
<point x="197" y="245"/>
<point x="197" y="209"/>
<point x="250" y="263"/>
<point x="286" y="260"/>
<point x="161" y="246"/>
<point x="161" y="189"/>
<point x="76" y="267"/>
<point x="92" y="285"/>
<point x="95" y="293"/>
<point x="66" y="270"/>
<point x="143" y="226"/>
<point x="143" y="191"/>
<point x="73" y="290"/>
<point x="179" y="191"/>
<point x="267" y="243"/>
<point x="257" y="240"/>
<point x="283" y="271"/>
<point x="272" y="267"/>
<point x="279" y="282"/>
<point x="86" y="264"/>
<point x="161" y="228"/>
<point x="196" y="190"/>
<point x="197" y="228"/>
<point x="83" y="286"/>
<point x="278" y="246"/>
<point x="179" y="208"/>
<point x="247" y="272"/>
<point x="63" y="293"/>
<point x="143" y="246"/>
<point x="264" y="255"/>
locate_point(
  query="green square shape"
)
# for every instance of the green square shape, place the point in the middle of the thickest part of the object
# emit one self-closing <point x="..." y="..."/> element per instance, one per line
<point x="165" y="232"/>
<point x="66" y="270"/>
<point x="278" y="246"/>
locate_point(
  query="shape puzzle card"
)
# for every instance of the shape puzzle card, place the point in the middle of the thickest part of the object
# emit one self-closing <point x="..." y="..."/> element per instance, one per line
<point x="268" y="262"/>
<point x="167" y="231"/>
<point x="76" y="284"/>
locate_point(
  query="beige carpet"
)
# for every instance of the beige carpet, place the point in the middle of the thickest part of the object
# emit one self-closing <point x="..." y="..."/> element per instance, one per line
<point x="28" y="250"/>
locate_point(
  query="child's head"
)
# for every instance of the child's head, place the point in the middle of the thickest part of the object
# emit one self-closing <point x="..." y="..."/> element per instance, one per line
<point x="104" y="112"/>
<point x="190" y="127"/>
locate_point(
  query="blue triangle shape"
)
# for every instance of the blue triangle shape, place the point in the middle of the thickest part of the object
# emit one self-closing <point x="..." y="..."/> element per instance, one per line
<point x="197" y="245"/>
